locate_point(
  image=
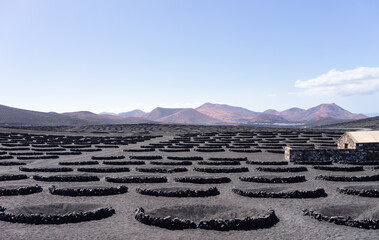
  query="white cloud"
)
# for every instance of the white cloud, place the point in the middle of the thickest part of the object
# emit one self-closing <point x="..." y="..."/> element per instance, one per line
<point x="359" y="81"/>
<point x="271" y="95"/>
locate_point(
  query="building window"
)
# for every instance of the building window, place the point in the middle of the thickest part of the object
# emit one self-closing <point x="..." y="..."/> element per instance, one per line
<point x="346" y="145"/>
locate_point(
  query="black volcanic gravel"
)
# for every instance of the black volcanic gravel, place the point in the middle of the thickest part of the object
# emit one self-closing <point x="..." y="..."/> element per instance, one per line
<point x="236" y="212"/>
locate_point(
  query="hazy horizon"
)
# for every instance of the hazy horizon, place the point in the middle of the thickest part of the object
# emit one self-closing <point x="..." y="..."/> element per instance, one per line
<point x="117" y="56"/>
<point x="370" y="114"/>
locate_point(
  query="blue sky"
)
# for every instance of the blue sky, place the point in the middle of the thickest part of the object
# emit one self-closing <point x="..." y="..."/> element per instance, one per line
<point x="120" y="55"/>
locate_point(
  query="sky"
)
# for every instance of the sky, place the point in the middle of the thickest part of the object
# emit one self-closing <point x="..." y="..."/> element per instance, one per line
<point x="116" y="56"/>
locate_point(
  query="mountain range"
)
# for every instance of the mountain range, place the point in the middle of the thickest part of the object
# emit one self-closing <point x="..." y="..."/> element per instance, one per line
<point x="206" y="114"/>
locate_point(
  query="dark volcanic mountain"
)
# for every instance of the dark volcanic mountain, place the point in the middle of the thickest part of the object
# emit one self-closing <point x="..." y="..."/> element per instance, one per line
<point x="20" y="117"/>
<point x="264" y="117"/>
<point x="105" y="118"/>
<point x="369" y="123"/>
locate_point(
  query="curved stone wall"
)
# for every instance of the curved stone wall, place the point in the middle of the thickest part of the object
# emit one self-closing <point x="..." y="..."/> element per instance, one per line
<point x="248" y="223"/>
<point x="341" y="220"/>
<point x="77" y="178"/>
<point x="98" y="191"/>
<point x="349" y="178"/>
<point x="203" y="180"/>
<point x="222" y="170"/>
<point x="262" y="179"/>
<point x="320" y="192"/>
<point x="136" y="179"/>
<point x="20" y="190"/>
<point x="178" y="192"/>
<point x="289" y="169"/>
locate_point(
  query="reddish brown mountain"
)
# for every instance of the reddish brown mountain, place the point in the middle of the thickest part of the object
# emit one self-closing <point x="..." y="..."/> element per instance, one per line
<point x="330" y="110"/>
<point x="189" y="116"/>
<point x="226" y="113"/>
<point x="222" y="113"/>
<point x="292" y="114"/>
<point x="318" y="113"/>
<point x="159" y="113"/>
<point x="206" y="114"/>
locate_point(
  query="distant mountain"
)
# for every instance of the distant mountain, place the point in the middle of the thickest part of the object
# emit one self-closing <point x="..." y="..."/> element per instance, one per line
<point x="95" y="118"/>
<point x="211" y="113"/>
<point x="226" y="113"/>
<point x="20" y="117"/>
<point x="108" y="113"/>
<point x="292" y="114"/>
<point x="159" y="112"/>
<point x="104" y="118"/>
<point x="264" y="117"/>
<point x="321" y="121"/>
<point x="330" y="110"/>
<point x="321" y="114"/>
<point x="271" y="111"/>
<point x="206" y="114"/>
<point x="322" y="111"/>
<point x="189" y="116"/>
<point x="229" y="108"/>
<point x="134" y="113"/>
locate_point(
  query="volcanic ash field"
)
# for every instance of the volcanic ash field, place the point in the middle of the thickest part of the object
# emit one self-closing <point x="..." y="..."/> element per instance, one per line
<point x="180" y="182"/>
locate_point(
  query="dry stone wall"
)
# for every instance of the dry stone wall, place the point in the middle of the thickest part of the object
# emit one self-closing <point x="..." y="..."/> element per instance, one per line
<point x="334" y="155"/>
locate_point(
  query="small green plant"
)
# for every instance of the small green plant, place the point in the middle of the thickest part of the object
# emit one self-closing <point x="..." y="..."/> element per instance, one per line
<point x="369" y="125"/>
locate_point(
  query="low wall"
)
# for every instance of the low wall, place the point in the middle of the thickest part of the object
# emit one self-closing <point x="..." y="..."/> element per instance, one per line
<point x="368" y="146"/>
<point x="334" y="155"/>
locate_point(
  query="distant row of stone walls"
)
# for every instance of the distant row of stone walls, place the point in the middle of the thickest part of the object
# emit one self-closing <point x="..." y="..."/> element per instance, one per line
<point x="334" y="155"/>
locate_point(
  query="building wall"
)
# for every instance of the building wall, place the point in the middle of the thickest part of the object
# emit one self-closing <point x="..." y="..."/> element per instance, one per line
<point x="346" y="139"/>
<point x="347" y="150"/>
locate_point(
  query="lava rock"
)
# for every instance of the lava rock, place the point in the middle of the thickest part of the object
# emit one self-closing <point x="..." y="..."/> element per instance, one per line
<point x="320" y="192"/>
